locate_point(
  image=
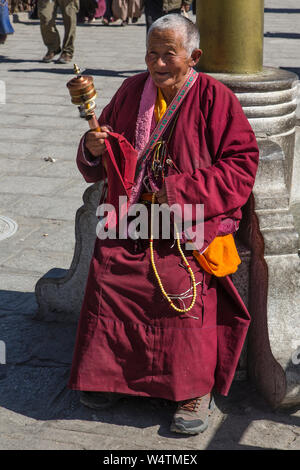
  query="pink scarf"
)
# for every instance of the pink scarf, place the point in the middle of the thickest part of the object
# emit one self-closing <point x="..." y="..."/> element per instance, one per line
<point x="145" y="117"/>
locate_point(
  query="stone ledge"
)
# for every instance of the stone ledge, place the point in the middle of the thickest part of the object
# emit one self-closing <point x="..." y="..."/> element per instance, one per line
<point x="270" y="79"/>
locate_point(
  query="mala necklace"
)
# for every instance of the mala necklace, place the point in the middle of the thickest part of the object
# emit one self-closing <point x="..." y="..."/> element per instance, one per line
<point x="181" y="310"/>
<point x="158" y="169"/>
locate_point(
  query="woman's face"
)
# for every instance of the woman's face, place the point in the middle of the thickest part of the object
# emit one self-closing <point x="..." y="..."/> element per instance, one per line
<point x="167" y="60"/>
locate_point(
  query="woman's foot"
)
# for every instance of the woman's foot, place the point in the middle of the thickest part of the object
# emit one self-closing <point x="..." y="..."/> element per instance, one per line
<point x="191" y="416"/>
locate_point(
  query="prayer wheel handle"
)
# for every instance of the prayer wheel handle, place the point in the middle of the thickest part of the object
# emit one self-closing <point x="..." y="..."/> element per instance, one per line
<point x="83" y="94"/>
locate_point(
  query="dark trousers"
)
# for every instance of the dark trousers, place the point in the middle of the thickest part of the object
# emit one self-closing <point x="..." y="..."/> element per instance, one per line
<point x="154" y="10"/>
<point x="108" y="12"/>
<point x="87" y="9"/>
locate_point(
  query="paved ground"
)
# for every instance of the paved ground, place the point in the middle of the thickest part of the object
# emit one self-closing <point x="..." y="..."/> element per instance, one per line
<point x="38" y="121"/>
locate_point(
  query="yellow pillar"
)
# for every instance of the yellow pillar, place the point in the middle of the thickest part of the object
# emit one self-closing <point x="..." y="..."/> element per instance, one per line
<point x="231" y="35"/>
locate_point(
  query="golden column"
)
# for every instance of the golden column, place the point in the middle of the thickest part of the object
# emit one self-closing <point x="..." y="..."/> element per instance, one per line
<point x="231" y="35"/>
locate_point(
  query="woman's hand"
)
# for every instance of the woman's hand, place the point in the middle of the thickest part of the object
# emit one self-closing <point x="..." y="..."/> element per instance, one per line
<point x="94" y="141"/>
<point x="161" y="195"/>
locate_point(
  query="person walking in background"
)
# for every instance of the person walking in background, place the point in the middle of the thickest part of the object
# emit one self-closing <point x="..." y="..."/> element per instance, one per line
<point x="134" y="11"/>
<point x="154" y="9"/>
<point x="126" y="9"/>
<point x="87" y="10"/>
<point x="100" y="10"/>
<point x="5" y="24"/>
<point x="47" y="11"/>
<point x="108" y="16"/>
<point x="34" y="11"/>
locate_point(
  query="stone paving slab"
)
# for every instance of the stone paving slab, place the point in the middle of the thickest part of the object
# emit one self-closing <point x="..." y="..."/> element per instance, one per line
<point x="73" y="189"/>
<point x="38" y="109"/>
<point x="11" y="166"/>
<point x="32" y="185"/>
<point x="18" y="282"/>
<point x="25" y="231"/>
<point x="38" y="167"/>
<point x="37" y="261"/>
<point x="18" y="151"/>
<point x="28" y="99"/>
<point x="6" y="202"/>
<point x="62" y="169"/>
<point x="37" y="410"/>
<point x="60" y="136"/>
<point x="285" y="23"/>
<point x="22" y="134"/>
<point x="60" y="151"/>
<point x="54" y="233"/>
<point x="53" y="122"/>
<point x="47" y="208"/>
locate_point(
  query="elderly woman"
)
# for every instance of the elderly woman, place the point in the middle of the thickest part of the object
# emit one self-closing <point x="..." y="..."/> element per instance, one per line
<point x="160" y="320"/>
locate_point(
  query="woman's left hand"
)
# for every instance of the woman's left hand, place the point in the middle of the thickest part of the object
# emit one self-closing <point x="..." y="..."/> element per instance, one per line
<point x="161" y="195"/>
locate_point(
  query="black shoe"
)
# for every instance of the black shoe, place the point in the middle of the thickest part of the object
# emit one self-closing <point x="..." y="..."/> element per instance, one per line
<point x="99" y="400"/>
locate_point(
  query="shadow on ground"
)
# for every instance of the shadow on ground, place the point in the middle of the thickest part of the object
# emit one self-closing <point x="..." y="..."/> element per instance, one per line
<point x="66" y="71"/>
<point x="282" y="10"/>
<point x="282" y="35"/>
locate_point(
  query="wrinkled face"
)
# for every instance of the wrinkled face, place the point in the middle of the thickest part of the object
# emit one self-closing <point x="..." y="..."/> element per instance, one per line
<point x="167" y="60"/>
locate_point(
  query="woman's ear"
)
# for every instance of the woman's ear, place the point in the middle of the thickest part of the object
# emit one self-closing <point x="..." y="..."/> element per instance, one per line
<point x="195" y="57"/>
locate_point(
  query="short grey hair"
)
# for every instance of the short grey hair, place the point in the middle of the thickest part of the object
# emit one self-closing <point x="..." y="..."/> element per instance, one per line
<point x="177" y="22"/>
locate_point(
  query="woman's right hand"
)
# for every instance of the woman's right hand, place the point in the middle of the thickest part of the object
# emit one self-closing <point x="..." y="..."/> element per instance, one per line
<point x="94" y="141"/>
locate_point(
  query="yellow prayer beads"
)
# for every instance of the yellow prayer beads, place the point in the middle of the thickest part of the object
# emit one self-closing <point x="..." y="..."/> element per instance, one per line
<point x="181" y="310"/>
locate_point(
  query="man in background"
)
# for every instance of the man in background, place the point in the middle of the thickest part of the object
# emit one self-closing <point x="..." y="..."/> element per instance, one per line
<point x="47" y="11"/>
<point x="154" y="9"/>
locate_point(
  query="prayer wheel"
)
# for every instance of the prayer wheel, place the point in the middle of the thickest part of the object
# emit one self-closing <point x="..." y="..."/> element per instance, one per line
<point x="231" y="35"/>
<point x="83" y="93"/>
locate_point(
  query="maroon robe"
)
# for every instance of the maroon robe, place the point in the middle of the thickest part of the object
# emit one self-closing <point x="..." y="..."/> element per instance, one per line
<point x="129" y="340"/>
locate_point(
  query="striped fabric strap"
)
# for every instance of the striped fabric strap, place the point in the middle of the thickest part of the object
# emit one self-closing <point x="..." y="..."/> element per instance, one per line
<point x="167" y="117"/>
